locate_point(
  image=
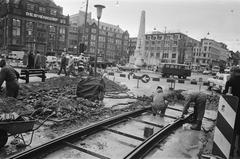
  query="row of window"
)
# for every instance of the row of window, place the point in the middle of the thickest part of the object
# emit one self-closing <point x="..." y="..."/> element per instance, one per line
<point x="161" y="42"/>
<point x="162" y="37"/>
<point x="203" y="54"/>
<point x="174" y="49"/>
<point x="164" y="55"/>
<point x="16" y="23"/>
<point x="102" y="32"/>
<point x="33" y="7"/>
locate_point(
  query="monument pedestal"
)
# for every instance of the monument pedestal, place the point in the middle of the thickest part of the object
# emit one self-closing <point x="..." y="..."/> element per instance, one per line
<point x="139" y="61"/>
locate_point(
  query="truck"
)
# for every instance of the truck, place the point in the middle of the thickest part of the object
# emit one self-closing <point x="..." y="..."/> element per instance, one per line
<point x="173" y="69"/>
<point x="18" y="55"/>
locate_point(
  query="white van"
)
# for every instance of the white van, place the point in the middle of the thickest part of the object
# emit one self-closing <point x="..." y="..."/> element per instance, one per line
<point x="218" y="82"/>
<point x="215" y="70"/>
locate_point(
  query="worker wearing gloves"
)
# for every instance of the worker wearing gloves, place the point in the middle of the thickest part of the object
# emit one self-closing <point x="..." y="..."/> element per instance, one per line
<point x="198" y="101"/>
<point x="10" y="75"/>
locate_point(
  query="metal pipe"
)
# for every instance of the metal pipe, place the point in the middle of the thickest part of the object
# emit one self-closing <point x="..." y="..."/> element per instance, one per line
<point x="85" y="22"/>
<point x="96" y="51"/>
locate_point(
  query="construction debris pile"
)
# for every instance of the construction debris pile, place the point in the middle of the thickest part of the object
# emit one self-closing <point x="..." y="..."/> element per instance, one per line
<point x="56" y="97"/>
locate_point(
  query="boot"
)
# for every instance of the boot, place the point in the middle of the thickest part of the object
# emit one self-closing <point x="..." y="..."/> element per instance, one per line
<point x="193" y="119"/>
<point x="197" y="126"/>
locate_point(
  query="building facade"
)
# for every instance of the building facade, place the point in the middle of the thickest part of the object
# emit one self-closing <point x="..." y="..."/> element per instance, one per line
<point x="210" y="53"/>
<point x="73" y="39"/>
<point x="182" y="49"/>
<point x="168" y="48"/>
<point x="113" y="41"/>
<point x="37" y="25"/>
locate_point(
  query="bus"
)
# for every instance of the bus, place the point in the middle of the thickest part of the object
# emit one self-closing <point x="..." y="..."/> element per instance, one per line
<point x="173" y="69"/>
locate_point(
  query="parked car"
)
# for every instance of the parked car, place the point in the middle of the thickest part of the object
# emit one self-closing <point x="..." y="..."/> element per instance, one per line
<point x="207" y="72"/>
<point x="128" y="67"/>
<point x="227" y="70"/>
<point x="218" y="82"/>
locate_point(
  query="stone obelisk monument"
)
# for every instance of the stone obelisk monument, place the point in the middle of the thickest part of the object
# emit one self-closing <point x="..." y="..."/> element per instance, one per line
<point x="139" y="52"/>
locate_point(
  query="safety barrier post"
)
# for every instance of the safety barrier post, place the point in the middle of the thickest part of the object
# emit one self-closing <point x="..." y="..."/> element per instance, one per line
<point x="224" y="137"/>
<point x="138" y="83"/>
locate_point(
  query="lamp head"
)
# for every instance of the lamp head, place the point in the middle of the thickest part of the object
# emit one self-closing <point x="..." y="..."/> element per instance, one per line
<point x="99" y="10"/>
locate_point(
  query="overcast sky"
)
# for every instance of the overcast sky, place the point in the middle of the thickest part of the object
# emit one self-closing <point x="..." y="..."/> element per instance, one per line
<point x="221" y="18"/>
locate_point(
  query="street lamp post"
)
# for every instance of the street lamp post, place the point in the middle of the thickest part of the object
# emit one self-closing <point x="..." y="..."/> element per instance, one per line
<point x="99" y="14"/>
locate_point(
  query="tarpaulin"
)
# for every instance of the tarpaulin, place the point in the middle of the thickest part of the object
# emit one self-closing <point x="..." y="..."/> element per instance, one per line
<point x="91" y="88"/>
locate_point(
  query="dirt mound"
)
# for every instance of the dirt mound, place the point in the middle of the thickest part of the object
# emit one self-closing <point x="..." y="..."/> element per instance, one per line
<point x="56" y="95"/>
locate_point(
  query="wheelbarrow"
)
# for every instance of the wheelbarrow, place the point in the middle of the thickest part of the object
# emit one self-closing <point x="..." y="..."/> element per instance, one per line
<point x="17" y="129"/>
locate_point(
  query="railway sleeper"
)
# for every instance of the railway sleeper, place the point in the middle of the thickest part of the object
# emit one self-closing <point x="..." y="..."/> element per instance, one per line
<point x="84" y="150"/>
<point x="124" y="134"/>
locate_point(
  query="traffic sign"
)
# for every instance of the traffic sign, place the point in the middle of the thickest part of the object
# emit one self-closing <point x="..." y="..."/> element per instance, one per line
<point x="145" y="78"/>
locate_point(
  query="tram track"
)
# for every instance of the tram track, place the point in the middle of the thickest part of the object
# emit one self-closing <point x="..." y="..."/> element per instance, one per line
<point x="80" y="139"/>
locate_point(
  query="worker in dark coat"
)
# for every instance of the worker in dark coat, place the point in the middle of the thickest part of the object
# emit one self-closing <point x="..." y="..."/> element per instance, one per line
<point x="10" y="75"/>
<point x="198" y="101"/>
<point x="30" y="60"/>
<point x="234" y="83"/>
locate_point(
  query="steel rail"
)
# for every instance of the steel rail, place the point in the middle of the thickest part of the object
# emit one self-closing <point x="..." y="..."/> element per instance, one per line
<point x="56" y="144"/>
<point x="145" y="147"/>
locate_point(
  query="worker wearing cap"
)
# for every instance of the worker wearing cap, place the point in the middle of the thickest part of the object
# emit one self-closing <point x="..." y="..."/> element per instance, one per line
<point x="160" y="101"/>
<point x="198" y="101"/>
<point x="234" y="83"/>
<point x="10" y="75"/>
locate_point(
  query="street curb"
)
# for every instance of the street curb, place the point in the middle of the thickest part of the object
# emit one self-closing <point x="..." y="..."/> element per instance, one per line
<point x="155" y="79"/>
<point x="170" y="80"/>
<point x="193" y="81"/>
<point x="181" y="81"/>
<point x="206" y="83"/>
<point x="122" y="75"/>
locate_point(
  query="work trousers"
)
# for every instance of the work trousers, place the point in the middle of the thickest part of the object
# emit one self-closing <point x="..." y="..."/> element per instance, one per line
<point x="12" y="89"/>
<point x="64" y="69"/>
<point x="199" y="108"/>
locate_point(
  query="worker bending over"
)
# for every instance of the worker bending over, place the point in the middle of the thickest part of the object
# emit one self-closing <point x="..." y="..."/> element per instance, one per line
<point x="198" y="101"/>
<point x="10" y="75"/>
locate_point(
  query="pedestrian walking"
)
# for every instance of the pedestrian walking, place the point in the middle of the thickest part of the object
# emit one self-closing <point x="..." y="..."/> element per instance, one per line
<point x="233" y="85"/>
<point x="63" y="64"/>
<point x="71" y="66"/>
<point x="197" y="100"/>
<point x="10" y="75"/>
